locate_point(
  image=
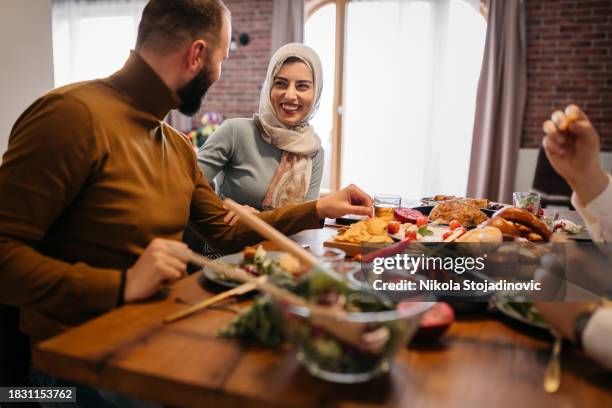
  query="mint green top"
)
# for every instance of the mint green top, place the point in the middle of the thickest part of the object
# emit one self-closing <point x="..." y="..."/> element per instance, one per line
<point x="242" y="164"/>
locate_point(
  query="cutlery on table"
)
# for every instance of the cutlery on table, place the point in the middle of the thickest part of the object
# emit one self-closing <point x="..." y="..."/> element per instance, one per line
<point x="552" y="375"/>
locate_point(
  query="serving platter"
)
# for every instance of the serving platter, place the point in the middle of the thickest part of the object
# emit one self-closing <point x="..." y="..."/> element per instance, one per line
<point x="351" y="249"/>
<point x="438" y="231"/>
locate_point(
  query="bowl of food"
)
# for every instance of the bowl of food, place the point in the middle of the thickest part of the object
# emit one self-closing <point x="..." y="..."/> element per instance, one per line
<point x="346" y="334"/>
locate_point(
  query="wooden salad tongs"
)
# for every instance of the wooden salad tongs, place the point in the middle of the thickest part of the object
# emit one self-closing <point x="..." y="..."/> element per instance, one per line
<point x="250" y="282"/>
<point x="234" y="273"/>
<point x="331" y="319"/>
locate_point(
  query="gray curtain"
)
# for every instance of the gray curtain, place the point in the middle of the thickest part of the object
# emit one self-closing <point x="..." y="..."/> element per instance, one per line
<point x="502" y="92"/>
<point x="287" y="23"/>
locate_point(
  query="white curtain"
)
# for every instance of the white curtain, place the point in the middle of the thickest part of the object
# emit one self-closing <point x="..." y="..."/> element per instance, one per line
<point x="412" y="71"/>
<point x="318" y="30"/>
<point x="92" y="39"/>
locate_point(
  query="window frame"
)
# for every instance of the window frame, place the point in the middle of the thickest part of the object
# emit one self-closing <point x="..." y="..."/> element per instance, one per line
<point x="310" y="8"/>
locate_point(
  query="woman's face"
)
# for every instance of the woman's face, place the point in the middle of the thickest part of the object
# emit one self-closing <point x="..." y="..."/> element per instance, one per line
<point x="292" y="93"/>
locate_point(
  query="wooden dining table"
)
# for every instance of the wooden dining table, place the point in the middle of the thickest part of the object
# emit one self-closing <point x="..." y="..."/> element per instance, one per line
<point x="484" y="359"/>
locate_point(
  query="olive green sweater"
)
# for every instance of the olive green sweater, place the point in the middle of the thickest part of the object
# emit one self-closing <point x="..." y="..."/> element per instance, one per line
<point x="88" y="180"/>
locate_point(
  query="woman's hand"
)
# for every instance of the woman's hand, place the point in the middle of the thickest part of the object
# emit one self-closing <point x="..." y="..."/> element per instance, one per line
<point x="572" y="147"/>
<point x="349" y="200"/>
<point x="232" y="218"/>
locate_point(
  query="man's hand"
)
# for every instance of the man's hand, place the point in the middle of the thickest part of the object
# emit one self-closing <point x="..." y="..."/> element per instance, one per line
<point x="231" y="217"/>
<point x="349" y="200"/>
<point x="158" y="265"/>
<point x="572" y="147"/>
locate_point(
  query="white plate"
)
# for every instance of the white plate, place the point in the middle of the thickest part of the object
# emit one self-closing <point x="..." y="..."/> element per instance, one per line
<point x="438" y="230"/>
<point x="234" y="260"/>
<point x="509" y="311"/>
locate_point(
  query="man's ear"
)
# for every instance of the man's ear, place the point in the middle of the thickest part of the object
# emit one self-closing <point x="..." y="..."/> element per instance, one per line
<point x="197" y="55"/>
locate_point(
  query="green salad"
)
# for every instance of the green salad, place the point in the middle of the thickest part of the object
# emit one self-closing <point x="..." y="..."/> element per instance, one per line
<point x="324" y="348"/>
<point x="321" y="340"/>
<point x="260" y="323"/>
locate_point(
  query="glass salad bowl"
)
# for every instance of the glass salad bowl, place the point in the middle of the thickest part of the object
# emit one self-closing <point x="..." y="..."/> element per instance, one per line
<point x="346" y="334"/>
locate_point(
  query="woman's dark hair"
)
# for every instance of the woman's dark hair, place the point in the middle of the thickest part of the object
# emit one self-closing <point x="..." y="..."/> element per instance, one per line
<point x="167" y="25"/>
<point x="293" y="60"/>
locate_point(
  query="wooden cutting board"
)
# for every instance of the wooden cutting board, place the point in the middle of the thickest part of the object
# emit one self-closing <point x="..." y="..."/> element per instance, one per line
<point x="349" y="248"/>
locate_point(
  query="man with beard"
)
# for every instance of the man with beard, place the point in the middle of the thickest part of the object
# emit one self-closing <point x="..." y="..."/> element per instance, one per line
<point x="97" y="190"/>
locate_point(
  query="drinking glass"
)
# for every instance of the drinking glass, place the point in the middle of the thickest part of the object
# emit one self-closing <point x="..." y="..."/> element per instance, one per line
<point x="527" y="200"/>
<point x="384" y="204"/>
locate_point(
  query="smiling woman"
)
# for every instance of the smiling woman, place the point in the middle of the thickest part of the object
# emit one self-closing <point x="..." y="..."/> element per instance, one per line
<point x="275" y="158"/>
<point x="292" y="92"/>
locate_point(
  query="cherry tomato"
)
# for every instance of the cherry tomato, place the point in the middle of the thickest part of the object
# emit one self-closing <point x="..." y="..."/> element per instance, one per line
<point x="393" y="227"/>
<point x="422" y="221"/>
<point x="436" y="321"/>
<point x="446" y="234"/>
<point x="454" y="224"/>
<point x="411" y="235"/>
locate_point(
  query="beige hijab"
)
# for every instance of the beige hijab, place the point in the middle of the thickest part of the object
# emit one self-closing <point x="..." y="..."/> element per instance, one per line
<point x="299" y="143"/>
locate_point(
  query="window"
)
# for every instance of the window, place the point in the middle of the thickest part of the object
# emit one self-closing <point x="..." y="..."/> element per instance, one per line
<point x="411" y="72"/>
<point x="92" y="39"/>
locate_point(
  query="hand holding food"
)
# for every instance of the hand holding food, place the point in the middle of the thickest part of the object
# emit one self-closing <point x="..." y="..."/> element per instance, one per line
<point x="349" y="200"/>
<point x="572" y="147"/>
<point x="158" y="265"/>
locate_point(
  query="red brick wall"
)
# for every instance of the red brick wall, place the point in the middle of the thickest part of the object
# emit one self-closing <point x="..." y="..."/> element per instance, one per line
<point x="236" y="94"/>
<point x="569" y="59"/>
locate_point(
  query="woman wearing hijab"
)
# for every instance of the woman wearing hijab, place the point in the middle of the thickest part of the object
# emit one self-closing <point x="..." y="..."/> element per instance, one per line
<point x="274" y="158"/>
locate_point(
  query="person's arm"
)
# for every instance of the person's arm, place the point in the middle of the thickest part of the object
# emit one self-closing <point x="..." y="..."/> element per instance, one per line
<point x="207" y="215"/>
<point x="316" y="176"/>
<point x="217" y="151"/>
<point x="582" y="323"/>
<point x="572" y="146"/>
<point x="597" y="214"/>
<point x="596" y="337"/>
<point x="50" y="155"/>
